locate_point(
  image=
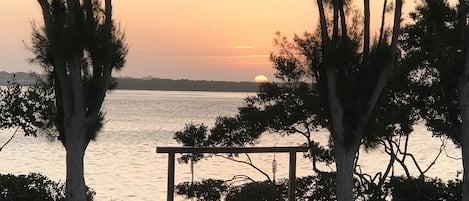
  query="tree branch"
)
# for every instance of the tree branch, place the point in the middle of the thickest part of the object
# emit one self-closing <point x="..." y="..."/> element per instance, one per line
<point x="366" y="35"/>
<point x="442" y="147"/>
<point x="343" y="21"/>
<point x="385" y="73"/>
<point x="235" y="177"/>
<point x="247" y="163"/>
<point x="381" y="29"/>
<point x="45" y="7"/>
<point x="9" y="140"/>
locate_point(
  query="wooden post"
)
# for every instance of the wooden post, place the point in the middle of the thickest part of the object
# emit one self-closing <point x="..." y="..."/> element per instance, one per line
<point x="170" y="195"/>
<point x="292" y="176"/>
<point x="173" y="150"/>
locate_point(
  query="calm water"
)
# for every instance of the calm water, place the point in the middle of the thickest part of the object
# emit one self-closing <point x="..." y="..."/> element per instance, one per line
<point x="122" y="163"/>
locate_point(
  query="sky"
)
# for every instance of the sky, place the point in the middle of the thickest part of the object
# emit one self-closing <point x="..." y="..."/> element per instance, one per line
<point x="228" y="40"/>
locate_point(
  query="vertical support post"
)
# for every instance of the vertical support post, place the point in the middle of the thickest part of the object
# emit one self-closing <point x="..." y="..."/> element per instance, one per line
<point x="170" y="191"/>
<point x="292" y="176"/>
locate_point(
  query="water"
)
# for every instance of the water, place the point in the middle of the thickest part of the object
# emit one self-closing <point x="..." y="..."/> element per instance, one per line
<point x="122" y="163"/>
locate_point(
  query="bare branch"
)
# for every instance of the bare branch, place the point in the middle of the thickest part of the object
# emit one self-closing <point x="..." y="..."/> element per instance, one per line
<point x="237" y="177"/>
<point x="385" y="73"/>
<point x="322" y="20"/>
<point x="381" y="30"/>
<point x="247" y="163"/>
<point x="366" y="36"/>
<point x="45" y="7"/>
<point x="442" y="147"/>
<point x="343" y="21"/>
<point x="9" y="140"/>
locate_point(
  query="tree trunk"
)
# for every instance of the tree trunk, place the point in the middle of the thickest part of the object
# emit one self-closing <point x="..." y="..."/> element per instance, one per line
<point x="75" y="146"/>
<point x="344" y="159"/>
<point x="465" y="145"/>
<point x="464" y="107"/>
<point x="464" y="100"/>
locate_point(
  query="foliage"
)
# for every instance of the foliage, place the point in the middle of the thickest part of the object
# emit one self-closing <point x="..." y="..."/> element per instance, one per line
<point x="29" y="109"/>
<point x="206" y="190"/>
<point x="33" y="187"/>
<point x="192" y="135"/>
<point x="320" y="187"/>
<point x="243" y="129"/>
<point x="433" y="55"/>
<point x="78" y="49"/>
<point x="256" y="191"/>
<point x="419" y="189"/>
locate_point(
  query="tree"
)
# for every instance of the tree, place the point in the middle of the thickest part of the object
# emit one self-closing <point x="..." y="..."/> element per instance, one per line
<point x="436" y="51"/>
<point x="351" y="83"/>
<point x="464" y="93"/>
<point x="343" y="94"/>
<point x="78" y="46"/>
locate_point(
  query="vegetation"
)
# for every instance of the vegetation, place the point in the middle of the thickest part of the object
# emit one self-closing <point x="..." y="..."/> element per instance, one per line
<point x="79" y="46"/>
<point x="149" y="83"/>
<point x="25" y="109"/>
<point x="436" y="52"/>
<point x="360" y="98"/>
<point x="34" y="187"/>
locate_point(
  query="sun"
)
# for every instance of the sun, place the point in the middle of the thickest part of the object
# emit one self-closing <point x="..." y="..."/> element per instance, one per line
<point x="261" y="79"/>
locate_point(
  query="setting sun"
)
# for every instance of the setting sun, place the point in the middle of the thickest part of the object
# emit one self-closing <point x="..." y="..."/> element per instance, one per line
<point x="261" y="78"/>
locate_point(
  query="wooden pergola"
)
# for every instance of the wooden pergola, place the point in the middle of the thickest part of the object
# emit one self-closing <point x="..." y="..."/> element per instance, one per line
<point x="171" y="151"/>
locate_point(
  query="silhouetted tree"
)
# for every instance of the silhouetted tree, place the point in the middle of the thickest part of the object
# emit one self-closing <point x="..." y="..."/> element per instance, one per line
<point x="436" y="51"/>
<point x="464" y="93"/>
<point x="78" y="46"/>
<point x="332" y="83"/>
<point x="349" y="82"/>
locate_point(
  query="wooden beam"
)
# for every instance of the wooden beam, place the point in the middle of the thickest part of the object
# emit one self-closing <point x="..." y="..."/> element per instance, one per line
<point x="219" y="150"/>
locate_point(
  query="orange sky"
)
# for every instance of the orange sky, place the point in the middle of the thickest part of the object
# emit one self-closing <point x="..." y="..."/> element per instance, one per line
<point x="202" y="39"/>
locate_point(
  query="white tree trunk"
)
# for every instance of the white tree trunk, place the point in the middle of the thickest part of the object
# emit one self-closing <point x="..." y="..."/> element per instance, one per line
<point x="75" y="146"/>
<point x="344" y="159"/>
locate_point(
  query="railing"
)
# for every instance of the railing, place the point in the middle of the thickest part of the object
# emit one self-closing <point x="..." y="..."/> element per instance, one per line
<point x="173" y="150"/>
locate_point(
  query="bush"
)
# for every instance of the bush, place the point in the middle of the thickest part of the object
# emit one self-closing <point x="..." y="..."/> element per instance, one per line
<point x="207" y="190"/>
<point x="413" y="189"/>
<point x="311" y="187"/>
<point x="33" y="187"/>
<point x="256" y="191"/>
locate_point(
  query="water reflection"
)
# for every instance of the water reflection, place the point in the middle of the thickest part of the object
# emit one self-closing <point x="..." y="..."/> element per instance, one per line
<point x="122" y="163"/>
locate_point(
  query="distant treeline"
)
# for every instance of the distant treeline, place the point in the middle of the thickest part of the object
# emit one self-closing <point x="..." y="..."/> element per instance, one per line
<point x="151" y="83"/>
<point x="20" y="77"/>
<point x="185" y="85"/>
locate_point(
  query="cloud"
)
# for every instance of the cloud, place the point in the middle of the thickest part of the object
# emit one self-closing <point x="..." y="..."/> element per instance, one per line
<point x="255" y="56"/>
<point x="242" y="47"/>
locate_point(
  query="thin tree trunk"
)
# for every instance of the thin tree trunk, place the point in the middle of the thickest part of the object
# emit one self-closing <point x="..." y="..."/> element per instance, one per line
<point x="335" y="22"/>
<point x="381" y="29"/>
<point x="343" y="21"/>
<point x="366" y="31"/>
<point x="464" y="102"/>
<point x="464" y="107"/>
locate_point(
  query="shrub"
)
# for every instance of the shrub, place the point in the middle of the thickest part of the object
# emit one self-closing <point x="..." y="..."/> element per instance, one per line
<point x="33" y="187"/>
<point x="413" y="189"/>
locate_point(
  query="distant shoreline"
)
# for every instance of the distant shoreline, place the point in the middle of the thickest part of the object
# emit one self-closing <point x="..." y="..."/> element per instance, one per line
<point x="152" y="83"/>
